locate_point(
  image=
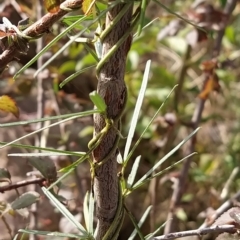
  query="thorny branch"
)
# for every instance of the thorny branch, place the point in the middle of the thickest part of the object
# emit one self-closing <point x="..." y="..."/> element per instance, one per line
<point x="38" y="28"/>
<point x="181" y="181"/>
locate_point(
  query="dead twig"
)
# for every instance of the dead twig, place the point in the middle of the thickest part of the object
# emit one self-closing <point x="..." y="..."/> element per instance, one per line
<point x="199" y="232"/>
<point x="38" y="28"/>
<point x="12" y="186"/>
<point x="223" y="208"/>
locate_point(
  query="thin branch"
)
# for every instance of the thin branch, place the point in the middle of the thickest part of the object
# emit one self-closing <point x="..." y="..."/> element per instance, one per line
<point x="223" y="208"/>
<point x="38" y="28"/>
<point x="34" y="221"/>
<point x="181" y="182"/>
<point x="181" y="77"/>
<point x="12" y="186"/>
<point x="199" y="232"/>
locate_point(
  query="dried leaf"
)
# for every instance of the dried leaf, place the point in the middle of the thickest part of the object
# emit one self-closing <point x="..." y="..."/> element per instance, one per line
<point x="7" y="104"/>
<point x="211" y="84"/>
<point x="206" y="16"/>
<point x="196" y="36"/>
<point x="208" y="66"/>
<point x="52" y="5"/>
<point x="88" y="7"/>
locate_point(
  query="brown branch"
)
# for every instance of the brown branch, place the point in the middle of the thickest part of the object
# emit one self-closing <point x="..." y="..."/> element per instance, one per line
<point x="12" y="186"/>
<point x="181" y="182"/>
<point x="38" y="28"/>
<point x="223" y="208"/>
<point x="111" y="87"/>
<point x="199" y="232"/>
<point x="181" y="77"/>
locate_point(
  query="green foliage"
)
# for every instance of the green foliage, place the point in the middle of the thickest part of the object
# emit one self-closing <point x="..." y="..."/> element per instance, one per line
<point x="155" y="130"/>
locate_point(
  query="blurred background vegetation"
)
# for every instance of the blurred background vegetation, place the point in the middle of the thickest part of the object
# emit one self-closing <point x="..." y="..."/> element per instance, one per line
<point x="179" y="53"/>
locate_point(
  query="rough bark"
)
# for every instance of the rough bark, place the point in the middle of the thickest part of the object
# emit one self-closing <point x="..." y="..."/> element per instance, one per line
<point x="111" y="87"/>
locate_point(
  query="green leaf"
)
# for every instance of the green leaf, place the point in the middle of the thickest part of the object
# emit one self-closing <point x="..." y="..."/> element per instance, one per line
<point x="53" y="234"/>
<point x="151" y="235"/>
<point x="21" y="123"/>
<point x="5" y="175"/>
<point x="147" y="127"/>
<point x="98" y="101"/>
<point x="88" y="210"/>
<point x="133" y="173"/>
<point x="46" y="154"/>
<point x="69" y="20"/>
<point x="223" y="3"/>
<point x="142" y="16"/>
<point x="25" y="200"/>
<point x="65" y="211"/>
<point x="52" y="150"/>
<point x="161" y="161"/>
<point x="46" y="167"/>
<point x="142" y="220"/>
<point x="68" y="79"/>
<point x="137" y="109"/>
<point x="39" y="130"/>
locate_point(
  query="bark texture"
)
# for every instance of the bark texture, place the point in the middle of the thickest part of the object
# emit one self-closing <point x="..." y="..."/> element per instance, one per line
<point x="111" y="87"/>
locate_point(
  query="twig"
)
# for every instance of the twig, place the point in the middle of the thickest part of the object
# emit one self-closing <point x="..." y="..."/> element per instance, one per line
<point x="223" y="208"/>
<point x="181" y="77"/>
<point x="21" y="184"/>
<point x="38" y="28"/>
<point x="228" y="183"/>
<point x="181" y="181"/>
<point x="40" y="112"/>
<point x="199" y="232"/>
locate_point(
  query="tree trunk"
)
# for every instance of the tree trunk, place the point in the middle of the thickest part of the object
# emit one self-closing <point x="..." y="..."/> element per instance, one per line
<point x="111" y="87"/>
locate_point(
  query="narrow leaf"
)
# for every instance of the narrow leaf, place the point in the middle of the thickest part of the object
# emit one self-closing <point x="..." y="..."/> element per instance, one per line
<point x="86" y="210"/>
<point x="137" y="109"/>
<point x="147" y="127"/>
<point x="21" y="123"/>
<point x="53" y="234"/>
<point x="142" y="16"/>
<point x="142" y="220"/>
<point x="161" y="161"/>
<point x="64" y="211"/>
<point x="91" y="213"/>
<point x="151" y="235"/>
<point x="133" y="173"/>
<point x="68" y="79"/>
<point x="45" y="154"/>
<point x="44" y="149"/>
<point x="39" y="130"/>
